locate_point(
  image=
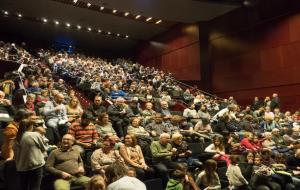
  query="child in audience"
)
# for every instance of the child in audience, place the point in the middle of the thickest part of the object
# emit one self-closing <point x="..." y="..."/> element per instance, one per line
<point x="234" y="175"/>
<point x="209" y="179"/>
<point x="176" y="181"/>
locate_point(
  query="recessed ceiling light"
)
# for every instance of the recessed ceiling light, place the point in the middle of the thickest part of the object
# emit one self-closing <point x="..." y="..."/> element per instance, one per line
<point x="78" y="27"/>
<point x="75" y="1"/>
<point x="19" y="15"/>
<point x="99" y="31"/>
<point x="5" y="12"/>
<point x="126" y="14"/>
<point x="118" y="34"/>
<point x="102" y="8"/>
<point x="148" y="19"/>
<point x="88" y="4"/>
<point x="126" y="36"/>
<point x="109" y="33"/>
<point x="114" y="11"/>
<point x="45" y="20"/>
<point x="137" y="16"/>
<point x="89" y="29"/>
<point x="56" y="22"/>
<point x="68" y="24"/>
<point x="157" y="22"/>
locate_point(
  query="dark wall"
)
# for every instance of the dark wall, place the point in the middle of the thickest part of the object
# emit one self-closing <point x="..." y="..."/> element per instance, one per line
<point x="255" y="52"/>
<point x="176" y="51"/>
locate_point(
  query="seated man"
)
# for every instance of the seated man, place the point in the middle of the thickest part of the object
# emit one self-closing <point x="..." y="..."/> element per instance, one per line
<point x="148" y="113"/>
<point x="157" y="127"/>
<point x="66" y="164"/>
<point x="85" y="134"/>
<point x="96" y="108"/>
<point x="56" y="116"/>
<point x="162" y="152"/>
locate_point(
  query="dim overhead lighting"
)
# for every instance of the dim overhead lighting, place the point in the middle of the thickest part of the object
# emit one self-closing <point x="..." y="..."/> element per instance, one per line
<point x="89" y="29"/>
<point x="88" y="4"/>
<point x="102" y="8"/>
<point x="45" y="20"/>
<point x="148" y="19"/>
<point x="78" y="27"/>
<point x="126" y="14"/>
<point x="19" y="15"/>
<point x="75" y="1"/>
<point x="109" y="33"/>
<point x="68" y="24"/>
<point x="157" y="22"/>
<point x="114" y="11"/>
<point x="126" y="36"/>
<point x="118" y="34"/>
<point x="99" y="31"/>
<point x="56" y="22"/>
<point x="137" y="16"/>
<point x="5" y="12"/>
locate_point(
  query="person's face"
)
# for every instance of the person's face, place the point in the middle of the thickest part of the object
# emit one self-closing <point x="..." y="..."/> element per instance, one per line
<point x="128" y="140"/>
<point x="217" y="142"/>
<point x="67" y="142"/>
<point x="97" y="101"/>
<point x="257" y="161"/>
<point x="158" y="119"/>
<point x="250" y="157"/>
<point x="59" y="99"/>
<point x="135" y="122"/>
<point x="164" y="105"/>
<point x="30" y="100"/>
<point x="164" y="140"/>
<point x="105" y="119"/>
<point x="74" y="102"/>
<point x="148" y="106"/>
<point x="178" y="141"/>
<point x="2" y="95"/>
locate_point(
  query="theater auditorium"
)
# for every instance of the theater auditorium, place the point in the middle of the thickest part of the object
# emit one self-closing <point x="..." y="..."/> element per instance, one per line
<point x="149" y="95"/>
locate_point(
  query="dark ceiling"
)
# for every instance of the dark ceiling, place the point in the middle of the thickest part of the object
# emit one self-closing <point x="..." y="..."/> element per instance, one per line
<point x="171" y="12"/>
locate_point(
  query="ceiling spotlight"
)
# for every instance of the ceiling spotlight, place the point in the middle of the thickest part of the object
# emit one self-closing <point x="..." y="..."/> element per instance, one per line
<point x="102" y="8"/>
<point x="99" y="31"/>
<point x="56" y="22"/>
<point x="137" y="16"/>
<point x="75" y="1"/>
<point x="148" y="19"/>
<point x="5" y="12"/>
<point x="45" y="20"/>
<point x="68" y="24"/>
<point x="118" y="34"/>
<point x="157" y="22"/>
<point x="78" y="27"/>
<point x="126" y="36"/>
<point x="88" y="4"/>
<point x="89" y="29"/>
<point x="126" y="14"/>
<point x="114" y="11"/>
<point x="109" y="33"/>
<point x="19" y="15"/>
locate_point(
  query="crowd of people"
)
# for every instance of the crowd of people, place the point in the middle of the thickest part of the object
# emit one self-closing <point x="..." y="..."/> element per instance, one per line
<point x="131" y="133"/>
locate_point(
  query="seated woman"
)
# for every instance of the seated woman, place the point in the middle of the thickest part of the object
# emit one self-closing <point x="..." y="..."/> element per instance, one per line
<point x="136" y="129"/>
<point x="209" y="179"/>
<point x="105" y="156"/>
<point x="218" y="148"/>
<point x="247" y="142"/>
<point x="42" y="98"/>
<point x="104" y="126"/>
<point x="74" y="110"/>
<point x="133" y="156"/>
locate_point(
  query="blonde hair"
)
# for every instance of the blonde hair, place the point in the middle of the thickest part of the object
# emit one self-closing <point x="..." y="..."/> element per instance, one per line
<point x="176" y="136"/>
<point x="97" y="182"/>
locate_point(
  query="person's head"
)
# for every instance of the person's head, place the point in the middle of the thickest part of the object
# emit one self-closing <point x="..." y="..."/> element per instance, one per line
<point x="234" y="159"/>
<point x="257" y="160"/>
<point x="97" y="182"/>
<point x="74" y="102"/>
<point x="158" y="118"/>
<point x="275" y="132"/>
<point x="269" y="118"/>
<point x="218" y="142"/>
<point x="30" y="99"/>
<point x="24" y="126"/>
<point x="130" y="140"/>
<point x="135" y="122"/>
<point x="59" y="98"/>
<point x="2" y="95"/>
<point x="115" y="171"/>
<point x="268" y="135"/>
<point x="178" y="175"/>
<point x="67" y="142"/>
<point x="164" y="138"/>
<point x="164" y="104"/>
<point x="97" y="100"/>
<point x="250" y="157"/>
<point x="85" y="119"/>
<point x="203" y="108"/>
<point x="267" y="109"/>
<point x="131" y="172"/>
<point x="192" y="106"/>
<point x="256" y="98"/>
<point x="44" y="92"/>
<point x="177" y="138"/>
<point x="297" y="153"/>
<point x="103" y="118"/>
<point x="119" y="101"/>
<point x="20" y="115"/>
<point x="149" y="106"/>
<point x="275" y="95"/>
<point x="210" y="166"/>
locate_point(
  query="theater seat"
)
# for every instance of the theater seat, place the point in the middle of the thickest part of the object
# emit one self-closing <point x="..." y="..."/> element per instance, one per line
<point x="154" y="184"/>
<point x="11" y="180"/>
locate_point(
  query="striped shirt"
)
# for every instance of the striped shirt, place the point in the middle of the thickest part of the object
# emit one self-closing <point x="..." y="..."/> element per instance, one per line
<point x="82" y="134"/>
